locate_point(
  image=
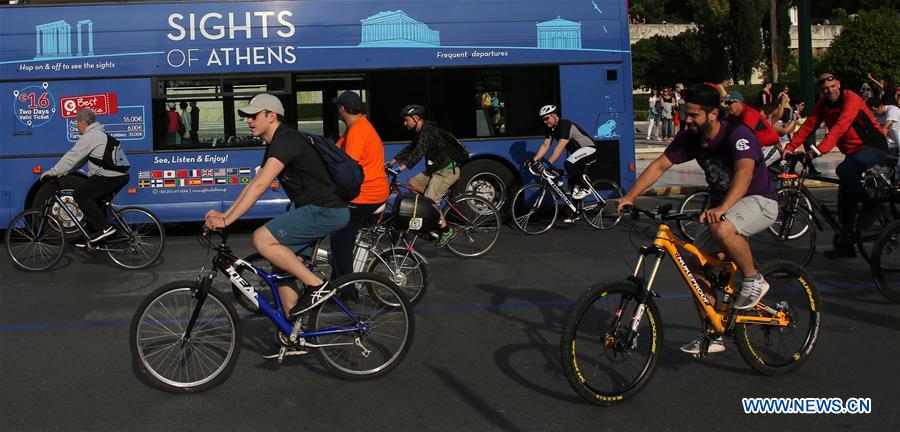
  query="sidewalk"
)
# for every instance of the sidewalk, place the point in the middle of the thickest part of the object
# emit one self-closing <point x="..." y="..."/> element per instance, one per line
<point x="688" y="177"/>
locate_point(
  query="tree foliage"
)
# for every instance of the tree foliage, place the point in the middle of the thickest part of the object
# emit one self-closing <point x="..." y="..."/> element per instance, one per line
<point x="829" y="9"/>
<point x="782" y="42"/>
<point x="745" y="37"/>
<point x="870" y="43"/>
<point x="662" y="61"/>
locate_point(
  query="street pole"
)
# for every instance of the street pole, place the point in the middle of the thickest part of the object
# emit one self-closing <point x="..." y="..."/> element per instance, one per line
<point x="773" y="37"/>
<point x="806" y="66"/>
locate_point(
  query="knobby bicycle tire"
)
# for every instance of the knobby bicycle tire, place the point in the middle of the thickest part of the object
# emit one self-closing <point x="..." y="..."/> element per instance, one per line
<point x="593" y="344"/>
<point x="774" y="350"/>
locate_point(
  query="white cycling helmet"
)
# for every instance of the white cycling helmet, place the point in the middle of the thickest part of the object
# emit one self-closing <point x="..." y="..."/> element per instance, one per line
<point x="547" y="109"/>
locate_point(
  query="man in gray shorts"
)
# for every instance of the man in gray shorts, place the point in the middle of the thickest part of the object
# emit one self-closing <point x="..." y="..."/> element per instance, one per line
<point x="742" y="196"/>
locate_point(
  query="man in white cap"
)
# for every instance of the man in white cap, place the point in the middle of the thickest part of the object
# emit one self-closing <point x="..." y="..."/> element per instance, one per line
<point x="317" y="210"/>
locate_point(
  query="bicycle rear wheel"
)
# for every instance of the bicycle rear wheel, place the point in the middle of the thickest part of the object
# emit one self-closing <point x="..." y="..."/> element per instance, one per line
<point x="772" y="349"/>
<point x="406" y="269"/>
<point x="165" y="359"/>
<point x="382" y="328"/>
<point x="533" y="208"/>
<point x="139" y="239"/>
<point x="885" y="262"/>
<point x="35" y="242"/>
<point x="476" y="223"/>
<point x="694" y="203"/>
<point x="600" y="206"/>
<point x="599" y="360"/>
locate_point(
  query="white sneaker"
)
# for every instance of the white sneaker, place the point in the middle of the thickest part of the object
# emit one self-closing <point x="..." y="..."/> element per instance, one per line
<point x="580" y="193"/>
<point x="110" y="230"/>
<point x="715" y="346"/>
<point x="752" y="291"/>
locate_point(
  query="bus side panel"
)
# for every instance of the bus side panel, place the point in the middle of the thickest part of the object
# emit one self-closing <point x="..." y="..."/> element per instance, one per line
<point x="592" y="96"/>
<point x="183" y="186"/>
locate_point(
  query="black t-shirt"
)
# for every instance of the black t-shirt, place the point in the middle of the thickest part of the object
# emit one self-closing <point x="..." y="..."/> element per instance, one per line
<point x="577" y="137"/>
<point x="304" y="177"/>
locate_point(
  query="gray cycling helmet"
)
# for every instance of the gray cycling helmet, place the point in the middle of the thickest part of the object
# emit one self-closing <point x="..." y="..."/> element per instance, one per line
<point x="411" y="110"/>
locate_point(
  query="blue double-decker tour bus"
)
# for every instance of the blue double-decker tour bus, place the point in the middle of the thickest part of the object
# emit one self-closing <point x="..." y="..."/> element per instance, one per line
<point x="482" y="69"/>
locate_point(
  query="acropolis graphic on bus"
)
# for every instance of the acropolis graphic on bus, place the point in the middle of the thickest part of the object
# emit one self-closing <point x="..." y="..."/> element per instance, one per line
<point x="397" y="29"/>
<point x="54" y="40"/>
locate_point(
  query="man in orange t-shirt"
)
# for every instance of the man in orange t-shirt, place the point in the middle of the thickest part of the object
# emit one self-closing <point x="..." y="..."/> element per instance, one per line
<point x="362" y="143"/>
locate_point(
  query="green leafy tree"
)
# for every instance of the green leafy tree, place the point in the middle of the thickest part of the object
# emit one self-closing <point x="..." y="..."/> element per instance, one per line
<point x="745" y="38"/>
<point x="662" y="61"/>
<point x="782" y="41"/>
<point x="650" y="11"/>
<point x="868" y="44"/>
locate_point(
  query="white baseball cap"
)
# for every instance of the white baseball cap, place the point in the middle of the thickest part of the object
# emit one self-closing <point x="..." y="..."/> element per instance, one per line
<point x="263" y="102"/>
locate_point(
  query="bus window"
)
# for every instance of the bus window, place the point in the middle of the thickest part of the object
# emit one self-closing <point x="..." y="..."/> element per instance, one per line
<point x="207" y="109"/>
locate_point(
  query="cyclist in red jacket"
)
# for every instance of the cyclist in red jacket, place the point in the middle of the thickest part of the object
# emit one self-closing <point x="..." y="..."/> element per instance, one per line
<point x="758" y="123"/>
<point x="853" y="129"/>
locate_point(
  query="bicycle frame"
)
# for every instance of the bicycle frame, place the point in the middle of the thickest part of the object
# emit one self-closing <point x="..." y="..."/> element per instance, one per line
<point x="55" y="199"/>
<point x="667" y="243"/>
<point x="226" y="263"/>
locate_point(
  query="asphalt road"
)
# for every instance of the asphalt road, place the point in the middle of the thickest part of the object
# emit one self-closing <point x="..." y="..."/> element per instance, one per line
<point x="485" y="354"/>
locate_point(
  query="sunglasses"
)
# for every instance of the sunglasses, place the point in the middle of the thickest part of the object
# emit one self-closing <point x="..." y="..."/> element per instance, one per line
<point x="728" y="103"/>
<point x="827" y="79"/>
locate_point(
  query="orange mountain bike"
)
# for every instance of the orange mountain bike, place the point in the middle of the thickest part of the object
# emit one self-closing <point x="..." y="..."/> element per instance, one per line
<point x="612" y="339"/>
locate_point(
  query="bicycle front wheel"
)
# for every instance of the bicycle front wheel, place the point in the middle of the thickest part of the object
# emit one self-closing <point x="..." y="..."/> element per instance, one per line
<point x="602" y="359"/>
<point x="165" y="358"/>
<point x="404" y="268"/>
<point x="885" y="262"/>
<point x="476" y="223"/>
<point x="35" y="242"/>
<point x="369" y="334"/>
<point x="694" y="203"/>
<point x="772" y="349"/>
<point x="787" y="244"/>
<point x="139" y="239"/>
<point x="789" y="200"/>
<point x="600" y="206"/>
<point x="534" y="209"/>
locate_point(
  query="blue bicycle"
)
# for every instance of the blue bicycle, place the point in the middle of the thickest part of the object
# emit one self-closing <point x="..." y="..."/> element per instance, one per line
<point x="185" y="337"/>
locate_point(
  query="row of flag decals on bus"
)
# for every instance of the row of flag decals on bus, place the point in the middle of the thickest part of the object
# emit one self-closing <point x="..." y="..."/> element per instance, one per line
<point x="193" y="181"/>
<point x="206" y="172"/>
<point x="193" y="177"/>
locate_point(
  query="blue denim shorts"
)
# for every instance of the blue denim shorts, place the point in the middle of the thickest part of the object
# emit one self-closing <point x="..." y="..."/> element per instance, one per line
<point x="299" y="229"/>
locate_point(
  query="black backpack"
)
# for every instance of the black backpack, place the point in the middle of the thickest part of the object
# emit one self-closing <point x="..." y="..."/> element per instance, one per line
<point x="113" y="156"/>
<point x="346" y="174"/>
<point x="455" y="148"/>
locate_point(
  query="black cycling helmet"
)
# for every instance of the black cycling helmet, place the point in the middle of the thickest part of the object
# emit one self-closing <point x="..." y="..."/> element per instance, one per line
<point x="411" y="110"/>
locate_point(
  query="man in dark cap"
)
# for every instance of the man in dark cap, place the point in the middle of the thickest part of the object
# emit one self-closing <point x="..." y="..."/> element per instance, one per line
<point x="362" y="143"/>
